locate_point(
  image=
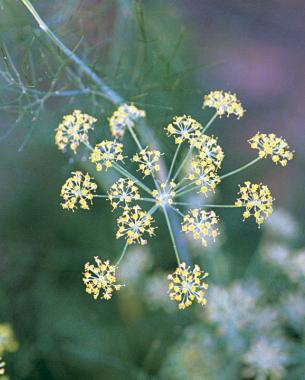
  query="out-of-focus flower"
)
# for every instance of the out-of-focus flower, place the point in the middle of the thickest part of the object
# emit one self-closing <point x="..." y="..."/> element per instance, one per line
<point x="257" y="200"/>
<point x="123" y="192"/>
<point x="73" y="130"/>
<point x="148" y="161"/>
<point x="224" y="103"/>
<point x="135" y="265"/>
<point x="166" y="193"/>
<point x="293" y="307"/>
<point x="193" y="357"/>
<point x="202" y="224"/>
<point x="270" y="145"/>
<point x="78" y="189"/>
<point x="100" y="279"/>
<point x="282" y="224"/>
<point x="124" y="117"/>
<point x="266" y="359"/>
<point x="105" y="153"/>
<point x="2" y="367"/>
<point x="232" y="308"/>
<point x="133" y="224"/>
<point x="210" y="153"/>
<point x="186" y="285"/>
<point x="8" y="341"/>
<point x="155" y="292"/>
<point x="203" y="176"/>
<point x="183" y="128"/>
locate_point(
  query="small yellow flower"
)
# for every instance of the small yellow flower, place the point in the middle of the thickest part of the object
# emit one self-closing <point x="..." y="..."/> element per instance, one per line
<point x="100" y="278"/>
<point x="124" y="117"/>
<point x="73" y="130"/>
<point x="270" y="145"/>
<point x="187" y="285"/>
<point x="78" y="189"/>
<point x="8" y="341"/>
<point x="133" y="224"/>
<point x="183" y="128"/>
<point x="105" y="153"/>
<point x="123" y="192"/>
<point x="202" y="224"/>
<point x="166" y="194"/>
<point x="224" y="103"/>
<point x="257" y="200"/>
<point x="210" y="153"/>
<point x="148" y="161"/>
<point x="203" y="175"/>
<point x="2" y="366"/>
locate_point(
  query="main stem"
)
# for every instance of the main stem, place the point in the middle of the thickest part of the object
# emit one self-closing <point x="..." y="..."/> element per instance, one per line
<point x="171" y="234"/>
<point x="122" y="255"/>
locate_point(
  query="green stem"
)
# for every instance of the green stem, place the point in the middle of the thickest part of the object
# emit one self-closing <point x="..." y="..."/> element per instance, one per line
<point x="173" y="163"/>
<point x="126" y="173"/>
<point x="185" y="187"/>
<point x="187" y="191"/>
<point x="110" y="94"/>
<point x="135" y="137"/>
<point x="171" y="234"/>
<point x="209" y="123"/>
<point x="151" y="200"/>
<point x="122" y="255"/>
<point x="177" y="210"/>
<point x="206" y="205"/>
<point x="183" y="162"/>
<point x="241" y="168"/>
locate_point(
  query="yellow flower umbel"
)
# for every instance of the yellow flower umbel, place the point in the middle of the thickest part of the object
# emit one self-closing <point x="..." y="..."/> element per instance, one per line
<point x="148" y="161"/>
<point x="202" y="224"/>
<point x="183" y="128"/>
<point x="203" y="175"/>
<point x="210" y="153"/>
<point x="123" y="192"/>
<point x="224" y="103"/>
<point x="133" y="224"/>
<point x="2" y="367"/>
<point x="8" y="341"/>
<point x="166" y="193"/>
<point x="78" y="189"/>
<point x="105" y="153"/>
<point x="257" y="200"/>
<point x="124" y="117"/>
<point x="100" y="280"/>
<point x="270" y="145"/>
<point x="187" y="285"/>
<point x="73" y="130"/>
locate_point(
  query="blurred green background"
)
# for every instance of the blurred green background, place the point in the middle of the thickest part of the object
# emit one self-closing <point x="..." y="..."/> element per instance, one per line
<point x="164" y="56"/>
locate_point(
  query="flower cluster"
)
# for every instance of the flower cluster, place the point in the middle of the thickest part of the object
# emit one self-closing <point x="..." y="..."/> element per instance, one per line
<point x="105" y="153"/>
<point x="73" y="129"/>
<point x="257" y="200"/>
<point x="8" y="341"/>
<point x="148" y="161"/>
<point x="224" y="103"/>
<point x="100" y="279"/>
<point x="270" y="145"/>
<point x="124" y="117"/>
<point x="197" y="172"/>
<point x="204" y="176"/>
<point x="133" y="224"/>
<point x="210" y="153"/>
<point x="202" y="224"/>
<point x="78" y="189"/>
<point x="186" y="285"/>
<point x="123" y="192"/>
<point x="165" y="194"/>
<point x="183" y="128"/>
